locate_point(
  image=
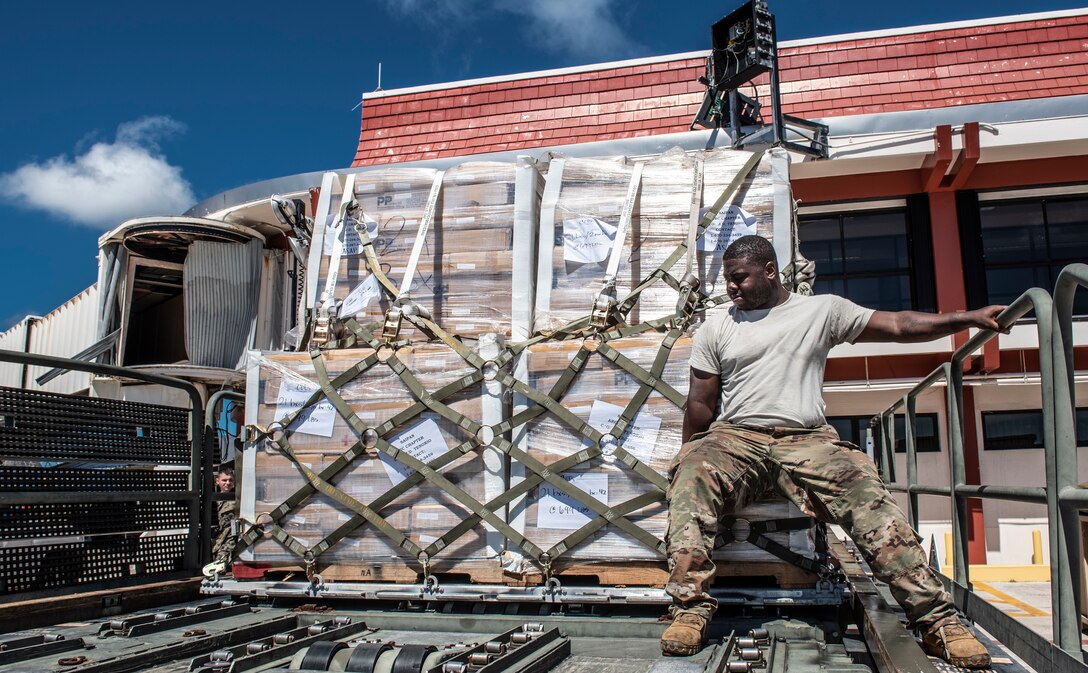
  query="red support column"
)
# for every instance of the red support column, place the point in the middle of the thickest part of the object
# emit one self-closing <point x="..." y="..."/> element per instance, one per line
<point x="952" y="296"/>
<point x="947" y="258"/>
<point x="976" y="523"/>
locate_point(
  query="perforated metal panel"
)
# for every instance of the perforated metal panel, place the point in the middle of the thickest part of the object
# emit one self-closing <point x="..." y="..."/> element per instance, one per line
<point x="60" y="458"/>
<point x="51" y="426"/>
<point x="17" y="479"/>
<point x="85" y="559"/>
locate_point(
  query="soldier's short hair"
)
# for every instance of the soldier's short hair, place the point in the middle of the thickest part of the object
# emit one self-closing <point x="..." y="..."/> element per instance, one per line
<point x="755" y="249"/>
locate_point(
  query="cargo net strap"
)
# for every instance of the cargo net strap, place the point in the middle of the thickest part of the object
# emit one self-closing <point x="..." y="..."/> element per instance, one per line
<point x="596" y="336"/>
<point x="690" y="299"/>
<point x="377" y="437"/>
<point x="739" y="529"/>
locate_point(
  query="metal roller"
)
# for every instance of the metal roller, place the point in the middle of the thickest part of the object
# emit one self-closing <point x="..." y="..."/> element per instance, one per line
<point x="283" y="638"/>
<point x="320" y="654"/>
<point x="480" y="658"/>
<point x="364" y="657"/>
<point x="317" y="629"/>
<point x="495" y="647"/>
<point x="255" y="648"/>
<point x="454" y="667"/>
<point x="751" y="654"/>
<point x="759" y="634"/>
<point x="411" y="658"/>
<point x="746" y="642"/>
<point x="738" y="667"/>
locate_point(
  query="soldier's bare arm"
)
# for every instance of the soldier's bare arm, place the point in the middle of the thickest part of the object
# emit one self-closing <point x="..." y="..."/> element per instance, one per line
<point x="702" y="406"/>
<point x="912" y="326"/>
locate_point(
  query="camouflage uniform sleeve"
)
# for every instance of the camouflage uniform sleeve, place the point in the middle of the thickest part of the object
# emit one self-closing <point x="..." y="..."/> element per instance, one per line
<point x="223" y="547"/>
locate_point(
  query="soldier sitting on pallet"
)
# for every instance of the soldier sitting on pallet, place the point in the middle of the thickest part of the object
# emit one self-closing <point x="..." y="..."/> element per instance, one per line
<point x="755" y="420"/>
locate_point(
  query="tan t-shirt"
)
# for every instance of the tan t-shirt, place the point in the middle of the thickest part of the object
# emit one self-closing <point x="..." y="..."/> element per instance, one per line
<point x="771" y="361"/>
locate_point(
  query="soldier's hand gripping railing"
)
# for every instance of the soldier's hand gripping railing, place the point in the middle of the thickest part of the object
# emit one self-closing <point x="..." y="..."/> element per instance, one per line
<point x="1060" y="495"/>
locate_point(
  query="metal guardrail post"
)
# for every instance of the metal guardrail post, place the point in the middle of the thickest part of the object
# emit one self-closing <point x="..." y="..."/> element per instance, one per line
<point x="193" y="551"/>
<point x="209" y="513"/>
<point x="957" y="473"/>
<point x="1065" y="543"/>
<point x="912" y="459"/>
<point x="887" y="450"/>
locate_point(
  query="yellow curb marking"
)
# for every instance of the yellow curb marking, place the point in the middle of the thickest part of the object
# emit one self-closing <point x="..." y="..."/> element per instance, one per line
<point x="1029" y="610"/>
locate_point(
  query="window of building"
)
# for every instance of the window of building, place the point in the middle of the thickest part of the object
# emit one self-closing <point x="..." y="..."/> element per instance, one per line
<point x="1022" y="429"/>
<point x="1012" y="245"/>
<point x="877" y="258"/>
<point x="852" y="429"/>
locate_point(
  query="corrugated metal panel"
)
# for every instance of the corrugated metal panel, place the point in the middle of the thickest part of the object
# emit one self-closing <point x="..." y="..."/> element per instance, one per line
<point x="222" y="286"/>
<point x="14" y="339"/>
<point x="65" y="331"/>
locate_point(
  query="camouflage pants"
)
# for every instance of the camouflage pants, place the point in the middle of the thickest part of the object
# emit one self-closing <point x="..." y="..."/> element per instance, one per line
<point x="223" y="543"/>
<point x="729" y="466"/>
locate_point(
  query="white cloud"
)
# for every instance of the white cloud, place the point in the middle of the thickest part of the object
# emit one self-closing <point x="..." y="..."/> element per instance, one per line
<point x="108" y="182"/>
<point x="434" y="12"/>
<point x="584" y="27"/>
<point x="587" y="28"/>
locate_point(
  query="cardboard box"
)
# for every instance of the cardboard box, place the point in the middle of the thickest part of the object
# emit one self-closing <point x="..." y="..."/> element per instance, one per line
<point x="424" y="512"/>
<point x="600" y="391"/>
<point x="587" y="214"/>
<point x="467" y="255"/>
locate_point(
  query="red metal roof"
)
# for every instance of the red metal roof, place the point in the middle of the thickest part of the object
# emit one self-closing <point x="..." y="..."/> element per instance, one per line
<point x="932" y="68"/>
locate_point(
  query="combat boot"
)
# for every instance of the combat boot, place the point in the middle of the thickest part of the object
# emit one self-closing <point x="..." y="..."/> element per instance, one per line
<point x="951" y="641"/>
<point x="685" y="635"/>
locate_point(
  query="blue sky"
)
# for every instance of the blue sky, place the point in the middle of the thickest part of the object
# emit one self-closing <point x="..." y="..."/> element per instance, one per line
<point x="120" y="109"/>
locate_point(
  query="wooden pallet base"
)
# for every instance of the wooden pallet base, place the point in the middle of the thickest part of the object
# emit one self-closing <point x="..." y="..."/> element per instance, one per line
<point x="474" y="572"/>
<point x="656" y="574"/>
<point x="634" y="574"/>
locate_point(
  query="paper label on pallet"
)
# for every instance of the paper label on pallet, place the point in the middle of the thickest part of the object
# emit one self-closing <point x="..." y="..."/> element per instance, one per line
<point x="423" y="441"/>
<point x="556" y="509"/>
<point x="359" y="298"/>
<point x="587" y="240"/>
<point x="316" y="420"/>
<point x="730" y="224"/>
<point x="353" y="244"/>
<point x="640" y="437"/>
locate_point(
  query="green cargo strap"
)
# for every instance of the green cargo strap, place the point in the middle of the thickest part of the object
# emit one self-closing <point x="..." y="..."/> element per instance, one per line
<point x="429" y="473"/>
<point x="758" y="536"/>
<point x="608" y="513"/>
<point x="349" y="502"/>
<point x="354" y="451"/>
<point x="727" y="195"/>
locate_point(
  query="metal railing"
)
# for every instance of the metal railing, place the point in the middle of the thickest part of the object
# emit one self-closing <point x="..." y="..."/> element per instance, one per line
<point x="1061" y="495"/>
<point x="199" y="484"/>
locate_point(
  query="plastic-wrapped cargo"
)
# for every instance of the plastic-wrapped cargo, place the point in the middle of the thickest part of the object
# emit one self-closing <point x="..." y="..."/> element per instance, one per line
<point x="599" y="394"/>
<point x="467" y="252"/>
<point x="279" y="383"/>
<point x="584" y="200"/>
<point x="474" y="275"/>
